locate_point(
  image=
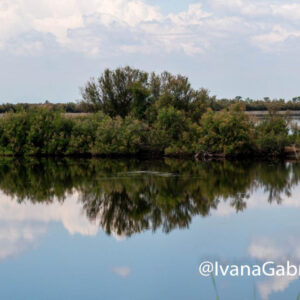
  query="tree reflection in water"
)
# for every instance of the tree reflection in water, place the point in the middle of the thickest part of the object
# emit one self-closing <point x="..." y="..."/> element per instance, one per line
<point x="129" y="196"/>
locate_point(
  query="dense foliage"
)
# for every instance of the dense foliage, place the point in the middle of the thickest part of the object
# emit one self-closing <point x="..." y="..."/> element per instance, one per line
<point x="135" y="112"/>
<point x="226" y="133"/>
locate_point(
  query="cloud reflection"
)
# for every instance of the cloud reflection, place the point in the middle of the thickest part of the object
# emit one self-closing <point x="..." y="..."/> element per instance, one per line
<point x="122" y="271"/>
<point x="23" y="223"/>
<point x="16" y="238"/>
<point x="279" y="252"/>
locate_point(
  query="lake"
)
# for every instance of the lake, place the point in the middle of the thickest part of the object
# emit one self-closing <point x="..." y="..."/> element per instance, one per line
<point x="139" y="229"/>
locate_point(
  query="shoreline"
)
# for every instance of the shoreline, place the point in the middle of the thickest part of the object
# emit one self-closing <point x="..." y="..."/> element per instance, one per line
<point x="287" y="155"/>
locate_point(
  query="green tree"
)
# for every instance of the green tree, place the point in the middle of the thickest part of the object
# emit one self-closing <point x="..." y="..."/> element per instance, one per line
<point x="115" y="92"/>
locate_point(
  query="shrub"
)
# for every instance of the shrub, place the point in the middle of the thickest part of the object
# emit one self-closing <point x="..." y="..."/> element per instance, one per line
<point x="226" y="132"/>
<point x="36" y="132"/>
<point x="83" y="136"/>
<point x="173" y="132"/>
<point x="118" y="136"/>
<point x="271" y="135"/>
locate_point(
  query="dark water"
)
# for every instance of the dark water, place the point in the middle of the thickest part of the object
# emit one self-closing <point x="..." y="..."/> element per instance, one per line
<point x="128" y="229"/>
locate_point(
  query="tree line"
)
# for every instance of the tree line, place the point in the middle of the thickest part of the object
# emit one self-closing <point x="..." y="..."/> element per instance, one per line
<point x="126" y="91"/>
<point x="135" y="113"/>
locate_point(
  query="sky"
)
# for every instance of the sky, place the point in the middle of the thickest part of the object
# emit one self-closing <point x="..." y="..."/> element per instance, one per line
<point x="50" y="48"/>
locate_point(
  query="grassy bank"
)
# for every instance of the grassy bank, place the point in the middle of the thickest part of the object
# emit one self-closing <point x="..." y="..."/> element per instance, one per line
<point x="229" y="133"/>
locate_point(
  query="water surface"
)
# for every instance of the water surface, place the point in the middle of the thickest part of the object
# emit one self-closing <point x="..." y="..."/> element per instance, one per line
<point x="129" y="229"/>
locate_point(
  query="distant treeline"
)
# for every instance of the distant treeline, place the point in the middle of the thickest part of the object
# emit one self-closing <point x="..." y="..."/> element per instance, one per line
<point x="211" y="102"/>
<point x="258" y="105"/>
<point x="70" y="107"/>
<point x="135" y="112"/>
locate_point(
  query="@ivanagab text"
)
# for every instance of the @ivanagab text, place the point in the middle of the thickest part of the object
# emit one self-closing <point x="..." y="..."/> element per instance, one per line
<point x="268" y="268"/>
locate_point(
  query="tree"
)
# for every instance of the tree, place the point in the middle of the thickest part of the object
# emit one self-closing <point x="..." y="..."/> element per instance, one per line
<point x="199" y="105"/>
<point x="127" y="91"/>
<point x="176" y="91"/>
<point x="115" y="92"/>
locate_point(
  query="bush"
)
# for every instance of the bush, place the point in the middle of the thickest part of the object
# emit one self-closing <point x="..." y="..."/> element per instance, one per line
<point x="42" y="131"/>
<point x="226" y="132"/>
<point x="173" y="132"/>
<point x="118" y="136"/>
<point x="83" y="136"/>
<point x="271" y="135"/>
<point x="36" y="132"/>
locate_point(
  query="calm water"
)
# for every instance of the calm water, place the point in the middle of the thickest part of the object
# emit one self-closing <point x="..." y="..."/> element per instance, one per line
<point x="115" y="229"/>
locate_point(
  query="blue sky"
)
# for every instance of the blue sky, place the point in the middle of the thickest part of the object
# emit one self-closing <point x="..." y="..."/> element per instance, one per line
<point x="48" y="49"/>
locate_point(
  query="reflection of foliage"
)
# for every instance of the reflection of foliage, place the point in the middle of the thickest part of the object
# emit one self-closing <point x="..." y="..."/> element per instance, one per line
<point x="278" y="180"/>
<point x="130" y="196"/>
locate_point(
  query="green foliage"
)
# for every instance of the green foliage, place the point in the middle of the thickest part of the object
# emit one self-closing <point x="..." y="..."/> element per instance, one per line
<point x="37" y="132"/>
<point x="176" y="91"/>
<point x="135" y="112"/>
<point x="127" y="91"/>
<point x="173" y="132"/>
<point x="226" y="132"/>
<point x="118" y="136"/>
<point x="42" y="132"/>
<point x="82" y="139"/>
<point x="271" y="135"/>
<point x="171" y="121"/>
<point x="117" y="92"/>
<point x="140" y="101"/>
<point x="199" y="105"/>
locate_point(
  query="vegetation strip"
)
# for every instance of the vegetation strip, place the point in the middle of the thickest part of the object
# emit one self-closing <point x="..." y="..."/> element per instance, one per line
<point x="139" y="113"/>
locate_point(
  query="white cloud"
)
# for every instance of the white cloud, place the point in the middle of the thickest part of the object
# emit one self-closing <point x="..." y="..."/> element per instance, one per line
<point x="111" y="27"/>
<point x="122" y="271"/>
<point x="193" y="16"/>
<point x="289" y="11"/>
<point x="275" y="39"/>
